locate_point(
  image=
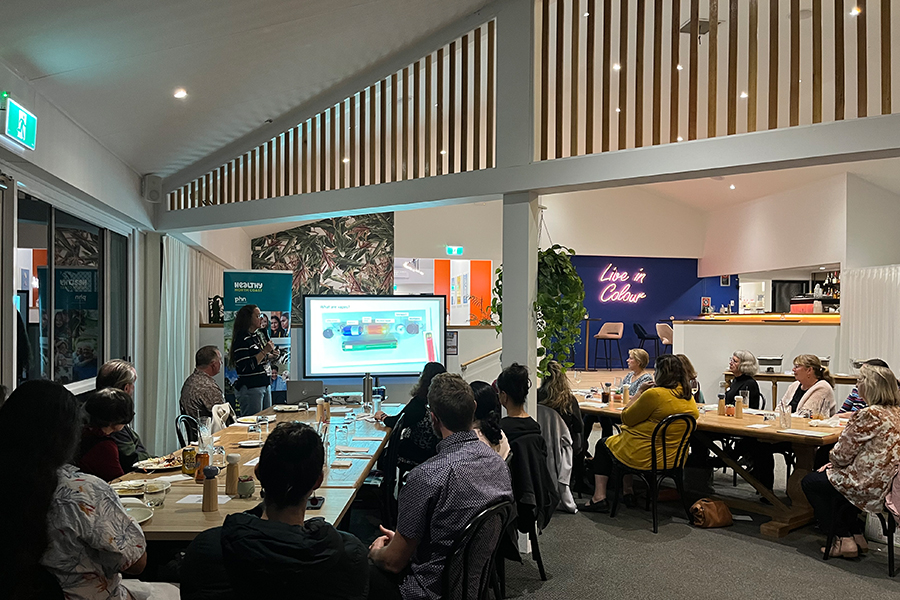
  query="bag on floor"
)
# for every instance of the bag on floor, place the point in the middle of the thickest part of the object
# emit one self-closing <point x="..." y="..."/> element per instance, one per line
<point x="710" y="513"/>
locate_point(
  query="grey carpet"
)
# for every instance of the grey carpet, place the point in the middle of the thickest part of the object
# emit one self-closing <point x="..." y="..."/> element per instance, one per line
<point x="590" y="556"/>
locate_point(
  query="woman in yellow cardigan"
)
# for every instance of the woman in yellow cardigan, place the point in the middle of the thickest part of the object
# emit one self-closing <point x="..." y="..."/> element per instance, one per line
<point x="670" y="395"/>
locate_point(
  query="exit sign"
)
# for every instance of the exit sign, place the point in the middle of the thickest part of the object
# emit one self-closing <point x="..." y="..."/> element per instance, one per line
<point x="21" y="125"/>
<point x="454" y="250"/>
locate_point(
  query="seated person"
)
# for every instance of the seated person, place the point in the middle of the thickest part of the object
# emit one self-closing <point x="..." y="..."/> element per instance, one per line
<point x="556" y="394"/>
<point x="811" y="395"/>
<point x="863" y="463"/>
<point x="487" y="418"/>
<point x="692" y="375"/>
<point x="109" y="410"/>
<point x="422" y="441"/>
<point x="513" y="384"/>
<point x="274" y="551"/>
<point x="200" y="391"/>
<point x="121" y="375"/>
<point x="439" y="499"/>
<point x="854" y="402"/>
<point x="278" y="384"/>
<point x="671" y="395"/>
<point x="636" y="380"/>
<point x="743" y="365"/>
<point x="70" y="524"/>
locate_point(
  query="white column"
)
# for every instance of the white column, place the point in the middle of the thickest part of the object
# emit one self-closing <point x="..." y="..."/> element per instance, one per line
<point x="521" y="217"/>
<point x="515" y="83"/>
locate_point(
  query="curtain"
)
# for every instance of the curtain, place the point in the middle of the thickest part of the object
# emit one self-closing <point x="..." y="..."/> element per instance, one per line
<point x="870" y="315"/>
<point x="175" y="335"/>
<point x="206" y="282"/>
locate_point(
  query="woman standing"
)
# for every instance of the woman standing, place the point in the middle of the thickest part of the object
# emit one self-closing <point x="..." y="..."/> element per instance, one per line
<point x="863" y="463"/>
<point x="250" y="357"/>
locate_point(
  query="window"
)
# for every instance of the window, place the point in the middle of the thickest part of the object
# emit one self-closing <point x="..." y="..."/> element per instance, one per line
<point x="72" y="294"/>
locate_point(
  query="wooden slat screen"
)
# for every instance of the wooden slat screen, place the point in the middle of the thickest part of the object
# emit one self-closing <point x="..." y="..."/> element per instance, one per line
<point x="648" y="72"/>
<point x="431" y="117"/>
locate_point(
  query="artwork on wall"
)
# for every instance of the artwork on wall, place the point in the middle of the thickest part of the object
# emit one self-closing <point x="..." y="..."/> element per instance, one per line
<point x="343" y="255"/>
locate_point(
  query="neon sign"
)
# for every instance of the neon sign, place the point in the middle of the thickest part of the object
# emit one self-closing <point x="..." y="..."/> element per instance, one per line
<point x="613" y="293"/>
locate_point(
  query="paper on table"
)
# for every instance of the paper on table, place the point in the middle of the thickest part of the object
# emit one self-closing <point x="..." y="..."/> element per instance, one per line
<point x="198" y="499"/>
<point x="252" y="463"/>
<point x="367" y="439"/>
<point x="351" y="449"/>
<point x="341" y="463"/>
<point x="805" y="432"/>
<point x="758" y="426"/>
<point x="365" y="456"/>
<point x="174" y="478"/>
<point x="215" y="439"/>
<point x="593" y="404"/>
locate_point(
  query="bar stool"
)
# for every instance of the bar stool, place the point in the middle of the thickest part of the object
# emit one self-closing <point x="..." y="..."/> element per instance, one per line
<point x="665" y="333"/>
<point x="609" y="332"/>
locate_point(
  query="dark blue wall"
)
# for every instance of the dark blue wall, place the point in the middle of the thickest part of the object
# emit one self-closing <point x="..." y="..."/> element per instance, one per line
<point x="671" y="286"/>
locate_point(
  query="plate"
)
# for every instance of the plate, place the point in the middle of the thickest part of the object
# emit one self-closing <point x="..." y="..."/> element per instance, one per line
<point x="252" y="420"/>
<point x="141" y="514"/>
<point x="288" y="408"/>
<point x="250" y="444"/>
<point x="162" y="463"/>
<point x="135" y="487"/>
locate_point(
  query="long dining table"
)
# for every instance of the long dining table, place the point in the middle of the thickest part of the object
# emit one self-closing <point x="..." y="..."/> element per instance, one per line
<point x="181" y="518"/>
<point x="804" y="440"/>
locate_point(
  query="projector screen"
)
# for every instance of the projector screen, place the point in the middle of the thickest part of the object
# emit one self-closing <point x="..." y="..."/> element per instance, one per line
<point x="349" y="336"/>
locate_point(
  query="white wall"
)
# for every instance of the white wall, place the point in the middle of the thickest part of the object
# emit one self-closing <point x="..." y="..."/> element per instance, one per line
<point x="623" y="222"/>
<point x="68" y="157"/>
<point x="801" y="227"/>
<point x="231" y="247"/>
<point x="872" y="217"/>
<point x="424" y="232"/>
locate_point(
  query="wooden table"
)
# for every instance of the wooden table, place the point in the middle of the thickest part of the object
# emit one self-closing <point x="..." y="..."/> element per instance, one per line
<point x="784" y="518"/>
<point x="777" y="378"/>
<point x="184" y="521"/>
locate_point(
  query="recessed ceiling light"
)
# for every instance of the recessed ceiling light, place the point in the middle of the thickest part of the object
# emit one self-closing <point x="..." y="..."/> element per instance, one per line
<point x="821" y="268"/>
<point x="856" y="10"/>
<point x="731" y="186"/>
<point x="618" y="110"/>
<point x="346" y="160"/>
<point x="680" y="139"/>
<point x="744" y="95"/>
<point x="680" y="68"/>
<point x="616" y="67"/>
<point x="443" y="152"/>
<point x="180" y="93"/>
<point x="587" y="14"/>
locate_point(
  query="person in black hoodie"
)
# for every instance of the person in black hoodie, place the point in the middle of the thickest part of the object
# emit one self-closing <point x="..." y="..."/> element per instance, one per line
<point x="273" y="551"/>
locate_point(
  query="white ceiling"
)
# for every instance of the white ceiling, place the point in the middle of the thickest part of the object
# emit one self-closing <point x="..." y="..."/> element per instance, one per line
<point x="113" y="66"/>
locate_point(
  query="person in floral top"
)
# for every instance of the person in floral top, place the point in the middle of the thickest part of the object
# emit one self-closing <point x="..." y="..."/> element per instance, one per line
<point x="863" y="463"/>
<point x="70" y="532"/>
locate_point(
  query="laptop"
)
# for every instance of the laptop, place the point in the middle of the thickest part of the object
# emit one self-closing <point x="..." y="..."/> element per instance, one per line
<point x="304" y="390"/>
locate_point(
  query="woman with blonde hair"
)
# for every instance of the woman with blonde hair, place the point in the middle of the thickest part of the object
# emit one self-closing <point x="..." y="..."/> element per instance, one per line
<point x="813" y="392"/>
<point x="555" y="393"/>
<point x="637" y="381"/>
<point x="863" y="463"/>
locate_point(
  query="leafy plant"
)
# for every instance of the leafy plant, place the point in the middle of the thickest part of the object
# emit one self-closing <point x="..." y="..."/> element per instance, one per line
<point x="558" y="310"/>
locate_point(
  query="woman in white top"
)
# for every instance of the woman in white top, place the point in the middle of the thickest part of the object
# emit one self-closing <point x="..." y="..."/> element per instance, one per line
<point x="812" y="395"/>
<point x="487" y="418"/>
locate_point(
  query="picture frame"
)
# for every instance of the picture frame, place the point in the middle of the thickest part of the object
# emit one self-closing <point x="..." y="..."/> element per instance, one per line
<point x="725" y="281"/>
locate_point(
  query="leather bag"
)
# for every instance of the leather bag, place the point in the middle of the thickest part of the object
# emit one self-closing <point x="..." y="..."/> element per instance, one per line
<point x="710" y="513"/>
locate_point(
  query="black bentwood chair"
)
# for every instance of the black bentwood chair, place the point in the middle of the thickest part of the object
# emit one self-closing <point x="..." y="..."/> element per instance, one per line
<point x="657" y="473"/>
<point x="186" y="427"/>
<point x="390" y="479"/>
<point x="470" y="565"/>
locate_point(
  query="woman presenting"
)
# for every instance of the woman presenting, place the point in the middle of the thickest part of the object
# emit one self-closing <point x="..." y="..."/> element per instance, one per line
<point x="250" y="358"/>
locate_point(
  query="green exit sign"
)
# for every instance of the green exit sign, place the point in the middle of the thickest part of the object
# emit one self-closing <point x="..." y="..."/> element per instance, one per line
<point x="454" y="250"/>
<point x="21" y="125"/>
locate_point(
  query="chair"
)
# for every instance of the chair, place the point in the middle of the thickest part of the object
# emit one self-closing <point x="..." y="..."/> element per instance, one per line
<point x="609" y="332"/>
<point x="186" y="427"/>
<point x="656" y="474"/>
<point x="888" y="527"/>
<point x="643" y="336"/>
<point x="470" y="566"/>
<point x="666" y="334"/>
<point x="390" y="478"/>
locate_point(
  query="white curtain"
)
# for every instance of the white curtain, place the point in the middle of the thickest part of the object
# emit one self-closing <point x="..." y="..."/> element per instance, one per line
<point x="206" y="282"/>
<point x="870" y="315"/>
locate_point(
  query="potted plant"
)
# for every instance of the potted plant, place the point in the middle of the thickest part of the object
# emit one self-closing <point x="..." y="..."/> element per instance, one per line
<point x="558" y="310"/>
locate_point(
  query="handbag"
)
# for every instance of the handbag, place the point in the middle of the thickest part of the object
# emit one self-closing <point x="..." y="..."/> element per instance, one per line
<point x="710" y="513"/>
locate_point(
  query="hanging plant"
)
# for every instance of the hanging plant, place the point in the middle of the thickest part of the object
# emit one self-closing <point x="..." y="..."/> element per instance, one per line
<point x="558" y="310"/>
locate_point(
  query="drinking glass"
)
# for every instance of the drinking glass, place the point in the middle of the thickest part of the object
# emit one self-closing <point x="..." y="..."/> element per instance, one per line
<point x="253" y="432"/>
<point x="576" y="376"/>
<point x="263" y="424"/>
<point x="617" y="383"/>
<point x="341" y="435"/>
<point x="154" y="494"/>
<point x="745" y="396"/>
<point x="694" y="389"/>
<point x="218" y="456"/>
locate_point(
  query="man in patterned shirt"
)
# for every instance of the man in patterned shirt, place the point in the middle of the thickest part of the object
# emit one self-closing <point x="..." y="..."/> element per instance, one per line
<point x="200" y="391"/>
<point x="439" y="499"/>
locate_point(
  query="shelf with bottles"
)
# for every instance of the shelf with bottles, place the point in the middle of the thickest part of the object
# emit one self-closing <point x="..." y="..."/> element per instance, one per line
<point x="828" y="283"/>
